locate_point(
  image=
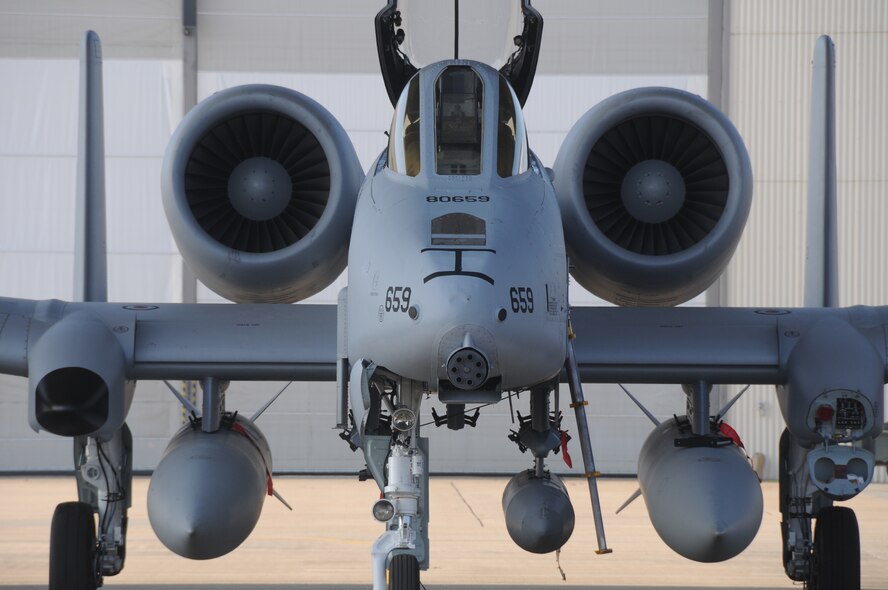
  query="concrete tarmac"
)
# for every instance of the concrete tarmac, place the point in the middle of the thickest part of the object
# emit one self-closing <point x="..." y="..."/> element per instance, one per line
<point x="325" y="542"/>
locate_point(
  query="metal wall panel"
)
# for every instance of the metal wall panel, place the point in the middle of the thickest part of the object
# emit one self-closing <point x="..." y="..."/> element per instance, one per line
<point x="579" y="37"/>
<point x="280" y="36"/>
<point x="618" y="37"/>
<point x="52" y="28"/>
<point x="770" y="84"/>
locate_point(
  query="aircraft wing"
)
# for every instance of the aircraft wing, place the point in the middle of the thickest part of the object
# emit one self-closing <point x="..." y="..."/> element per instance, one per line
<point x="184" y="341"/>
<point x="298" y="342"/>
<point x="716" y="345"/>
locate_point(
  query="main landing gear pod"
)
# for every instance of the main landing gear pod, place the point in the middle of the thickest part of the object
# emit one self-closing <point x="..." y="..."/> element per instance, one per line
<point x="832" y="405"/>
<point x="810" y="480"/>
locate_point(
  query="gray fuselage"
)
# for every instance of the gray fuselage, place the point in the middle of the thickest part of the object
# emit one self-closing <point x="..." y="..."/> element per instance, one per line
<point x="441" y="263"/>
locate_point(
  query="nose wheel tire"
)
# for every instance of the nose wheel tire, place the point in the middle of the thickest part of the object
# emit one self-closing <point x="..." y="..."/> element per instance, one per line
<point x="836" y="560"/>
<point x="72" y="548"/>
<point x="404" y="573"/>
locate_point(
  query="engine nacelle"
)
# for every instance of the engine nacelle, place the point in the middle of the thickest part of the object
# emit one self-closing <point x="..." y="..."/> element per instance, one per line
<point x="77" y="379"/>
<point x="259" y="187"/>
<point x="539" y="515"/>
<point x="207" y="491"/>
<point x="655" y="187"/>
<point x="705" y="502"/>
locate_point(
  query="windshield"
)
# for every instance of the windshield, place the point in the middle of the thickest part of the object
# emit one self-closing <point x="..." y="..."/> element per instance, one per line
<point x="487" y="30"/>
<point x="459" y="103"/>
<point x="471" y="113"/>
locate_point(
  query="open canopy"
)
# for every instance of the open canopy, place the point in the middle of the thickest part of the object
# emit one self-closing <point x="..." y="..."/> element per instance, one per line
<point x="504" y="34"/>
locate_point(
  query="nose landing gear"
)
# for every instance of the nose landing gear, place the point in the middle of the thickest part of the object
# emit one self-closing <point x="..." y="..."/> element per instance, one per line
<point x="385" y="411"/>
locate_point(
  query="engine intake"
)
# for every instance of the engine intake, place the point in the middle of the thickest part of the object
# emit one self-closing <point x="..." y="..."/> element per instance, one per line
<point x="259" y="187"/>
<point x="655" y="187"/>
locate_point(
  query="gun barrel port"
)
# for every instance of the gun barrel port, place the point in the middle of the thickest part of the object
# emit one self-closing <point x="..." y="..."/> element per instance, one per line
<point x="467" y="368"/>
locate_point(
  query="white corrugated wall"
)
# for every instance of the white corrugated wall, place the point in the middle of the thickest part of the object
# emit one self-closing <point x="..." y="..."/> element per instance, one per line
<point x="590" y="50"/>
<point x="771" y="45"/>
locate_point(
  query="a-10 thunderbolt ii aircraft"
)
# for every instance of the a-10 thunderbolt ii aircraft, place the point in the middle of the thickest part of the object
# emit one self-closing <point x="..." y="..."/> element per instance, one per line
<point x="458" y="242"/>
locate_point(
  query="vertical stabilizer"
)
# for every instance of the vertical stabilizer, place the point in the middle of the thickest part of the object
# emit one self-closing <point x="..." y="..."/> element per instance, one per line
<point x="90" y="265"/>
<point x="821" y="253"/>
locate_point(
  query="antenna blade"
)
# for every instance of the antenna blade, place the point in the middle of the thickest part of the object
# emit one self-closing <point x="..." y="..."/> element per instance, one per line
<point x="730" y="404"/>
<point x="821" y="256"/>
<point x="640" y="407"/>
<point x="281" y="498"/>
<point x="260" y="411"/>
<point x="188" y="405"/>
<point x="90" y="265"/>
<point x="629" y="500"/>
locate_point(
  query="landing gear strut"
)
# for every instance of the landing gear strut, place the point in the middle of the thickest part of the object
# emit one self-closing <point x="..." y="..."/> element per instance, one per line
<point x="81" y="555"/>
<point x="830" y="559"/>
<point x="385" y="412"/>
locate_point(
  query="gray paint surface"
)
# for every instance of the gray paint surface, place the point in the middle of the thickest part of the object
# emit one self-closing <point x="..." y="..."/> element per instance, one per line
<point x="90" y="252"/>
<point x="822" y="251"/>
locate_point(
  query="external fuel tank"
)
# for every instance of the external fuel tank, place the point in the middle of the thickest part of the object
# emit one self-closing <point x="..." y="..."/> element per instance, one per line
<point x="207" y="492"/>
<point x="538" y="512"/>
<point x="704" y="501"/>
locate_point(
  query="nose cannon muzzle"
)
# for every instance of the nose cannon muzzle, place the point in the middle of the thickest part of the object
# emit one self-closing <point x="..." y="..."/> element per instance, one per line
<point x="467" y="368"/>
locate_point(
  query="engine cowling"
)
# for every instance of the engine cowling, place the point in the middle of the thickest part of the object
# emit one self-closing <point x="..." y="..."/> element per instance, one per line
<point x="654" y="186"/>
<point x="259" y="187"/>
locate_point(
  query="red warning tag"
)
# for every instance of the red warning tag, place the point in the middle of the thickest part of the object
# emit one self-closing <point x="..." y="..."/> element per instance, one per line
<point x="564" y="453"/>
<point x="730" y="433"/>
